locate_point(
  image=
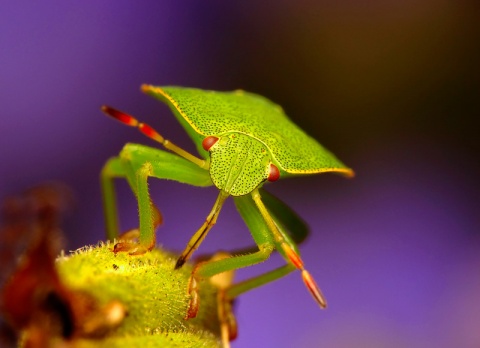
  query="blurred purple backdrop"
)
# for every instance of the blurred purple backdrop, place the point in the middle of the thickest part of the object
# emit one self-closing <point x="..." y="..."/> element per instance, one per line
<point x="391" y="87"/>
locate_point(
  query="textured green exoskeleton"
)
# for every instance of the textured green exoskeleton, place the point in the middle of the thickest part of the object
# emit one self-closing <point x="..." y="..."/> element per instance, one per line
<point x="243" y="140"/>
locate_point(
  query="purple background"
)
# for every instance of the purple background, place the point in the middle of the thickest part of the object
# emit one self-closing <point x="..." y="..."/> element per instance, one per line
<point x="391" y="87"/>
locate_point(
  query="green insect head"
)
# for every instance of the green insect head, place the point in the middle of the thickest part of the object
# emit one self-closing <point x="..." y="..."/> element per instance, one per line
<point x="239" y="163"/>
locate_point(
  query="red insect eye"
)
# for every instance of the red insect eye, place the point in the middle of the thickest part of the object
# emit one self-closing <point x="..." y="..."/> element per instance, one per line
<point x="208" y="142"/>
<point x="274" y="173"/>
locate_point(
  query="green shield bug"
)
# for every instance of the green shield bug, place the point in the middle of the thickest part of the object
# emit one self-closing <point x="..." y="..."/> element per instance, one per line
<point x="243" y="140"/>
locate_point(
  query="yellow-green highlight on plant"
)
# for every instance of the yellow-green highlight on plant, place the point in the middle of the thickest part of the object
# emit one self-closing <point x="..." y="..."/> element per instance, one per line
<point x="152" y="293"/>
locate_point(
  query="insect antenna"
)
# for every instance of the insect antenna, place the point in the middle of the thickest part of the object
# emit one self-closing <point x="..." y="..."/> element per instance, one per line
<point x="150" y="132"/>
<point x="201" y="233"/>
<point x="291" y="254"/>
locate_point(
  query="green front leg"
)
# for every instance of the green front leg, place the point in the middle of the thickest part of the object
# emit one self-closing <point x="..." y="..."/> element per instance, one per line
<point x="111" y="170"/>
<point x="149" y="219"/>
<point x="136" y="164"/>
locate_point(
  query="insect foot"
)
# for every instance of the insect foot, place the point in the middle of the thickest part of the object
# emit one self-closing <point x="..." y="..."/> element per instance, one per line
<point x="128" y="243"/>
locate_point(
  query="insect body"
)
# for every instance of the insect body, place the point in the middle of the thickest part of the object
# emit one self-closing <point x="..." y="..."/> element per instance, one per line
<point x="243" y="140"/>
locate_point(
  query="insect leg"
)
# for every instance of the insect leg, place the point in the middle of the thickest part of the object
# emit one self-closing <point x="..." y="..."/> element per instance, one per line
<point x="239" y="288"/>
<point x="118" y="167"/>
<point x="111" y="170"/>
<point x="228" y="322"/>
<point x="150" y="217"/>
<point x="136" y="164"/>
